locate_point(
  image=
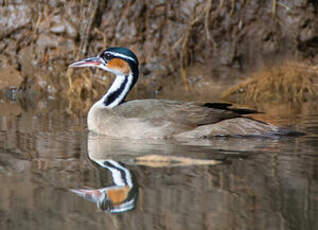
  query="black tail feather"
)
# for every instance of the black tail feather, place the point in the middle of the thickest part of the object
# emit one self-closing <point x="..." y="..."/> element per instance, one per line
<point x="226" y="106"/>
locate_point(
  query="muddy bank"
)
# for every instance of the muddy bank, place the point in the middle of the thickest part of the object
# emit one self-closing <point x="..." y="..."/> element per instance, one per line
<point x="187" y="49"/>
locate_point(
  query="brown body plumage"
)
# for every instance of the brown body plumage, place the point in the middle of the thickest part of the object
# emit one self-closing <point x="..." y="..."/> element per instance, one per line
<point x="173" y="119"/>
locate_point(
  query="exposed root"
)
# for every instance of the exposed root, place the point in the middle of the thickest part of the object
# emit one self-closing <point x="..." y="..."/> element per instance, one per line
<point x="86" y="29"/>
<point x="206" y="19"/>
<point x="221" y="3"/>
<point x="185" y="39"/>
<point x="69" y="74"/>
<point x="185" y="51"/>
<point x="274" y="7"/>
<point x="233" y="7"/>
<point x="277" y="3"/>
<point x="85" y="36"/>
<point x="284" y="6"/>
<point x="97" y="31"/>
<point x="37" y="23"/>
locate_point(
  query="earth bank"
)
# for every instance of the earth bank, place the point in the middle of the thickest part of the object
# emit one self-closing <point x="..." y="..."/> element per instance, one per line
<point x="187" y="49"/>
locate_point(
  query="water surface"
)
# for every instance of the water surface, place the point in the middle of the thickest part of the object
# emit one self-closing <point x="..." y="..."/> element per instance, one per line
<point x="47" y="157"/>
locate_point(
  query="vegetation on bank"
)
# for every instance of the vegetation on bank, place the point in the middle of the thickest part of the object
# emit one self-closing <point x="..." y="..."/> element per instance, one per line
<point x="288" y="82"/>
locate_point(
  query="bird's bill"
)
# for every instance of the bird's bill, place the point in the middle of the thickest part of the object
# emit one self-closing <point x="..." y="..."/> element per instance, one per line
<point x="89" y="62"/>
<point x="89" y="194"/>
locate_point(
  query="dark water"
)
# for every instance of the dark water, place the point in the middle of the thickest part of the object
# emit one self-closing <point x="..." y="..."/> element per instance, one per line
<point x="54" y="175"/>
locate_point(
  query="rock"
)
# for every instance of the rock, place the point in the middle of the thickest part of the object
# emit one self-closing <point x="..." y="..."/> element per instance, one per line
<point x="4" y="61"/>
<point x="48" y="41"/>
<point x="70" y="29"/>
<point x="25" y="61"/>
<point x="10" y="78"/>
<point x="58" y="29"/>
<point x="10" y="109"/>
<point x="13" y="17"/>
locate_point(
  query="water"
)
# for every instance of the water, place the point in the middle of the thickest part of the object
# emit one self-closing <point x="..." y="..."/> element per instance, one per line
<point x="54" y="175"/>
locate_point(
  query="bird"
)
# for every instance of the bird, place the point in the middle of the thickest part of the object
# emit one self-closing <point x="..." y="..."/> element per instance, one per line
<point x="115" y="117"/>
<point x="117" y="198"/>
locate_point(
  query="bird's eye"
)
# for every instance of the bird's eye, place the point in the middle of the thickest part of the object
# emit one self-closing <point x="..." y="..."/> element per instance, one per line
<point x="108" y="56"/>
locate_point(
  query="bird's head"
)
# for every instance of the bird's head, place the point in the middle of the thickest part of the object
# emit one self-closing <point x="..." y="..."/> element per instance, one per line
<point x="117" y="60"/>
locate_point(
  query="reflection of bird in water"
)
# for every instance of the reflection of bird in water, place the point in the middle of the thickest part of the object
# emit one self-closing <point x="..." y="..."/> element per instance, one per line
<point x="154" y="118"/>
<point x="119" y="198"/>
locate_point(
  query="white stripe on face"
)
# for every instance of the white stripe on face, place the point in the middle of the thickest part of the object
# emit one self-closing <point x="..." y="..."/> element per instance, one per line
<point x="121" y="55"/>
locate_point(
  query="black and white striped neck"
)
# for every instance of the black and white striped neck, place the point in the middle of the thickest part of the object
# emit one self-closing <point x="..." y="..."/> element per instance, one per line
<point x="118" y="91"/>
<point x="121" y="175"/>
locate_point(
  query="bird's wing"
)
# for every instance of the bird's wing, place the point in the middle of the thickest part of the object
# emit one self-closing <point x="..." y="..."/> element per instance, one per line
<point x="184" y="113"/>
